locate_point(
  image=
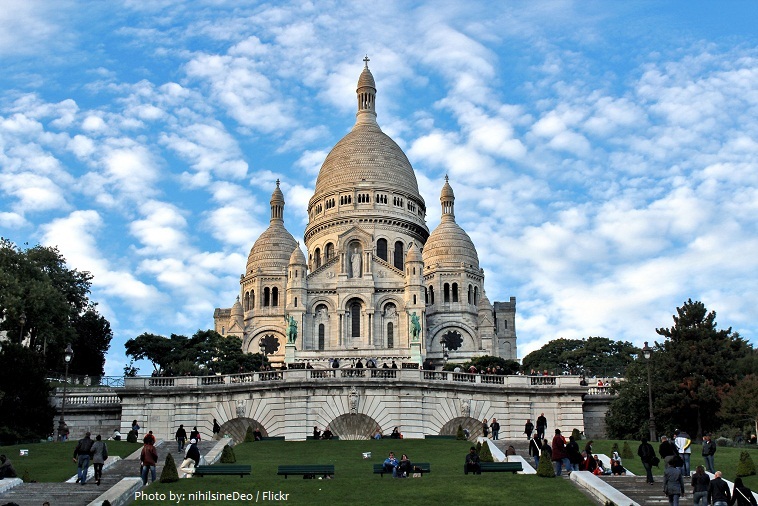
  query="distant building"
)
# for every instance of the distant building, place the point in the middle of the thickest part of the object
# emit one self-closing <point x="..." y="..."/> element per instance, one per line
<point x="371" y="266"/>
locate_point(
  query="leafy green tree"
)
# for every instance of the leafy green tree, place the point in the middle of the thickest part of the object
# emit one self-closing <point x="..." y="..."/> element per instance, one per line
<point x="54" y="302"/>
<point x="592" y="356"/>
<point x="740" y="403"/>
<point x="485" y="455"/>
<point x="25" y="411"/>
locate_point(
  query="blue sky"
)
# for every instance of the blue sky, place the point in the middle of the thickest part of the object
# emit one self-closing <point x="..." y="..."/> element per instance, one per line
<point x="604" y="155"/>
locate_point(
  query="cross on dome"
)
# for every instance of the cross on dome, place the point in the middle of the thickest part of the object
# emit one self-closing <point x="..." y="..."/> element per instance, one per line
<point x="366" y="60"/>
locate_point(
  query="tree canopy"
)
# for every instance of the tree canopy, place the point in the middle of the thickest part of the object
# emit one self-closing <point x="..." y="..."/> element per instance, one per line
<point x="52" y="301"/>
<point x="594" y="356"/>
<point x="692" y="370"/>
<point x="205" y="351"/>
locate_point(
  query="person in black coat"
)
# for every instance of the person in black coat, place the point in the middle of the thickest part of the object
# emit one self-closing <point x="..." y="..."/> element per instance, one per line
<point x="647" y="455"/>
<point x="529" y="429"/>
<point x="473" y="464"/>
<point x="667" y="449"/>
<point x="541" y="425"/>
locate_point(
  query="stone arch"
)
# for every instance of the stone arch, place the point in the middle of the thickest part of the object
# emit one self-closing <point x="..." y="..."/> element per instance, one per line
<point x="473" y="425"/>
<point x="354" y="426"/>
<point x="237" y="428"/>
<point x="467" y="334"/>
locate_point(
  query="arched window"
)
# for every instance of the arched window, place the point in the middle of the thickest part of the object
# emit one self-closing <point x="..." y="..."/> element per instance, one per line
<point x="317" y="258"/>
<point x="275" y="296"/>
<point x="431" y="295"/>
<point x="295" y="301"/>
<point x="247" y="301"/>
<point x="470" y="296"/>
<point x="426" y="296"/>
<point x="381" y="249"/>
<point x="223" y="331"/>
<point x="414" y="299"/>
<point x="455" y="292"/>
<point x="329" y="251"/>
<point x="398" y="257"/>
<point x="446" y="293"/>
<point x="476" y="295"/>
<point x="355" y="319"/>
<point x="390" y="335"/>
<point x="266" y="297"/>
<point x="321" y="332"/>
<point x="505" y="324"/>
<point x="252" y="299"/>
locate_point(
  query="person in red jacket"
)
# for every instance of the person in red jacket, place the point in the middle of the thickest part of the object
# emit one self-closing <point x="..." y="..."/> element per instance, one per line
<point x="560" y="456"/>
<point x="148" y="460"/>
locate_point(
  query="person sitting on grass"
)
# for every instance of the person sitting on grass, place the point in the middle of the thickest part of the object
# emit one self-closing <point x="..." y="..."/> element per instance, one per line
<point x="378" y="433"/>
<point x="616" y="468"/>
<point x="396" y="434"/>
<point x="390" y="464"/>
<point x="316" y="432"/>
<point x="6" y="468"/>
<point x="404" y="467"/>
<point x="473" y="463"/>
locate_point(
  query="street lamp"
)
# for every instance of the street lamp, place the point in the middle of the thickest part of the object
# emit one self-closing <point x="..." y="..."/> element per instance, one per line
<point x="68" y="354"/>
<point x="647" y="352"/>
<point x="22" y="321"/>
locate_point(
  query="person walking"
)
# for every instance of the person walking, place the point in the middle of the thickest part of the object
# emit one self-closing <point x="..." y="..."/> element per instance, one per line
<point x="673" y="484"/>
<point x="529" y="429"/>
<point x="684" y="447"/>
<point x="559" y="455"/>
<point x="495" y="426"/>
<point x="99" y="456"/>
<point x="82" y="454"/>
<point x="534" y="450"/>
<point x="148" y="460"/>
<point x="574" y="456"/>
<point x="718" y="491"/>
<point x="216" y="429"/>
<point x="700" y="482"/>
<point x="181" y="437"/>
<point x="647" y="457"/>
<point x="541" y="425"/>
<point x="742" y="496"/>
<point x="709" y="450"/>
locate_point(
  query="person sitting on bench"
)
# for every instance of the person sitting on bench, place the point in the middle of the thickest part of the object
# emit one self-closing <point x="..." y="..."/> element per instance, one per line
<point x="390" y="464"/>
<point x="327" y="434"/>
<point x="472" y="462"/>
<point x="404" y="467"/>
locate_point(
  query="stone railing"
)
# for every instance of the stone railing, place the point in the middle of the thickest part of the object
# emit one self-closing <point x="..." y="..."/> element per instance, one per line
<point x="86" y="400"/>
<point x="599" y="390"/>
<point x="356" y="374"/>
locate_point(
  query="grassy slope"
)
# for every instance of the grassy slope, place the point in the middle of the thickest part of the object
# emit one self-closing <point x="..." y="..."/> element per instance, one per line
<point x="726" y="459"/>
<point x="355" y="483"/>
<point x="50" y="462"/>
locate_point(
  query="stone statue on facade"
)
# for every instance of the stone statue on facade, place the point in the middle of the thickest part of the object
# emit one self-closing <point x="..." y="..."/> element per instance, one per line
<point x="353" y="399"/>
<point x="240" y="409"/>
<point x="415" y="327"/>
<point x="465" y="408"/>
<point x="291" y="330"/>
<point x="355" y="263"/>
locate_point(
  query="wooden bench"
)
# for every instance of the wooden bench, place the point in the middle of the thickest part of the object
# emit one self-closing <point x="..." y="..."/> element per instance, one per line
<point x="421" y="468"/>
<point x="501" y="467"/>
<point x="311" y="438"/>
<point x="439" y="436"/>
<point x="306" y="471"/>
<point x="273" y="438"/>
<point x="223" y="469"/>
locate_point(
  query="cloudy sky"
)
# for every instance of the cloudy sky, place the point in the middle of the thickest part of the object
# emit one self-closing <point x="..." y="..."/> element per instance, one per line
<point x="604" y="155"/>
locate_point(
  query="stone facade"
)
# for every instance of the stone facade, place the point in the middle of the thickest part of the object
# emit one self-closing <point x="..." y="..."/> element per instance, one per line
<point x="372" y="268"/>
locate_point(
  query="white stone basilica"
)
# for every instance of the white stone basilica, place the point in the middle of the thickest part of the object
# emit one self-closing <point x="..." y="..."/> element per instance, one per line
<point x="372" y="268"/>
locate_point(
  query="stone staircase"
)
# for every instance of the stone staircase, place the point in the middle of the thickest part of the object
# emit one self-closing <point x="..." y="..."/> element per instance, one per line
<point x="637" y="489"/>
<point x="74" y="494"/>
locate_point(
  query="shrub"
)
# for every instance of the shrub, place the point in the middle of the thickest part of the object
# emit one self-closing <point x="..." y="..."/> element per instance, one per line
<point x="745" y="466"/>
<point x="227" y="455"/>
<point x="615" y="448"/>
<point x="249" y="438"/>
<point x="485" y="455"/>
<point x="545" y="467"/>
<point x="577" y="435"/>
<point x="26" y="478"/>
<point x="479" y="447"/>
<point x="169" y="473"/>
<point x="722" y="441"/>
<point x="627" y="452"/>
<point x="460" y="436"/>
<point x="131" y="437"/>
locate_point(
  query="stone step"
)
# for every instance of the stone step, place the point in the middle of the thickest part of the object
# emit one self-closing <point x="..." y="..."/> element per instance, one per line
<point x="74" y="494"/>
<point x="637" y="489"/>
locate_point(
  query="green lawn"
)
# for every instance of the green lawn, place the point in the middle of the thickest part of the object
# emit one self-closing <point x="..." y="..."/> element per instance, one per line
<point x="48" y="462"/>
<point x="354" y="482"/>
<point x="726" y="459"/>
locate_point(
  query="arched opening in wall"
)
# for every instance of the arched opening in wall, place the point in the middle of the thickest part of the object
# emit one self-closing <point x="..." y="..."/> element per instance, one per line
<point x="431" y="295"/>
<point x="355" y="319"/>
<point x="446" y="292"/>
<point x="329" y="251"/>
<point x="470" y="294"/>
<point x="390" y="335"/>
<point x="275" y="296"/>
<point x="321" y="336"/>
<point x="317" y="258"/>
<point x="252" y="299"/>
<point x="399" y="254"/>
<point x="266" y="297"/>
<point x="381" y="249"/>
<point x="354" y="426"/>
<point x="295" y="301"/>
<point x="237" y="428"/>
<point x="455" y="292"/>
<point x="476" y="295"/>
<point x="247" y="301"/>
<point x="473" y="425"/>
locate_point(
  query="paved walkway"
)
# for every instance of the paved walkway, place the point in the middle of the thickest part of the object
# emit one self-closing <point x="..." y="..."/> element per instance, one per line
<point x="74" y="494"/>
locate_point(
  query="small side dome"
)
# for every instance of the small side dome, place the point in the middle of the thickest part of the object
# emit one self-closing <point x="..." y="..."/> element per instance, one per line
<point x="449" y="245"/>
<point x="272" y="250"/>
<point x="414" y="254"/>
<point x="237" y="308"/>
<point x="297" y="257"/>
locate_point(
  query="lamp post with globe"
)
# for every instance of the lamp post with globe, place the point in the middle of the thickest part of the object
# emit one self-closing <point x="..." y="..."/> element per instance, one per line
<point x="68" y="354"/>
<point x="647" y="352"/>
